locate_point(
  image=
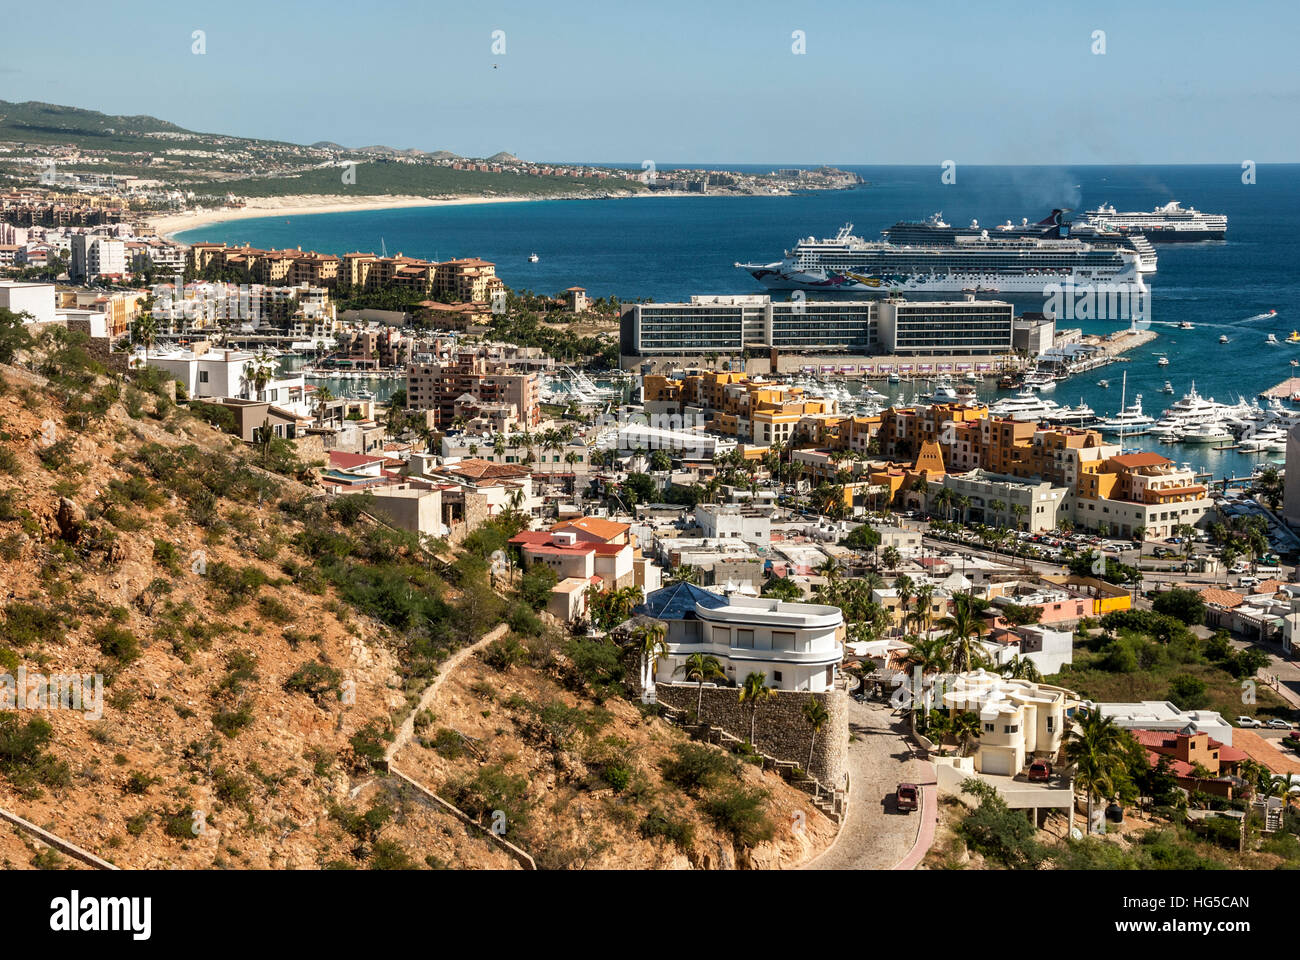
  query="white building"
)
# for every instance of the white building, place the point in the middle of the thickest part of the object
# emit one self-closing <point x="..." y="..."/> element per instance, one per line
<point x="796" y="646"/>
<point x="231" y="373"/>
<point x="1163" y="715"/>
<point x="722" y="520"/>
<point x="95" y="256"/>
<point x="36" y="299"/>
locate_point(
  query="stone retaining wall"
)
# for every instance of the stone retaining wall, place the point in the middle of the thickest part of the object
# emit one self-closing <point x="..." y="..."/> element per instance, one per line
<point x="780" y="730"/>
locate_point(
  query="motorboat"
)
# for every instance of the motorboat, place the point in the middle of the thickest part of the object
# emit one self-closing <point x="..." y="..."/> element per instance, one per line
<point x="1185" y="325"/>
<point x="1270" y="340"/>
<point x="1167" y="388"/>
<point x="1223" y="338"/>
<point x="1162" y="361"/>
<point x="1130" y="422"/>
<point x="533" y="258"/>
<point x="1206" y="433"/>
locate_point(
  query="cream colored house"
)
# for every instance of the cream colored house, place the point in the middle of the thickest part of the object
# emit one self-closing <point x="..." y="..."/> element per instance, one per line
<point x="1019" y="719"/>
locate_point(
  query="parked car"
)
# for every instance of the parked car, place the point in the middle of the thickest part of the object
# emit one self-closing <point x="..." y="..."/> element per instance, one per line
<point x="908" y="795"/>
<point x="1247" y="581"/>
<point x="1248" y="722"/>
<point x="1040" y="771"/>
<point x="1277" y="723"/>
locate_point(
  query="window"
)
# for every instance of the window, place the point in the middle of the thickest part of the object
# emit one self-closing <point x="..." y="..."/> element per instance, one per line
<point x="776" y="676"/>
<point x="203" y="376"/>
<point x="722" y="635"/>
<point x="1051" y="724"/>
<point x="988" y="728"/>
<point x="745" y="638"/>
<point x="782" y="641"/>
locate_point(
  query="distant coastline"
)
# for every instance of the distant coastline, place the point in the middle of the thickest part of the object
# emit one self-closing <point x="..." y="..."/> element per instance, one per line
<point x="168" y="225"/>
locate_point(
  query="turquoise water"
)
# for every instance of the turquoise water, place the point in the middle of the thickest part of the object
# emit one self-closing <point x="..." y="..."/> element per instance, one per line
<point x="668" y="248"/>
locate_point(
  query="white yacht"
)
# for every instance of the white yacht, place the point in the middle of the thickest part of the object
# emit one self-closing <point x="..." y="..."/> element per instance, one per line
<point x="1131" y="422"/>
<point x="1074" y="416"/>
<point x="1223" y="338"/>
<point x="1162" y="361"/>
<point x="1267" y="440"/>
<point x="1025" y="405"/>
<point x="1270" y="340"/>
<point x="1039" y="380"/>
<point x="1212" y="432"/>
<point x="1167" y="388"/>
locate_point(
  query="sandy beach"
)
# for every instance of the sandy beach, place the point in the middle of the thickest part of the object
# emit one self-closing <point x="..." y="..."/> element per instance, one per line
<point x="167" y="225"/>
<point x="170" y="224"/>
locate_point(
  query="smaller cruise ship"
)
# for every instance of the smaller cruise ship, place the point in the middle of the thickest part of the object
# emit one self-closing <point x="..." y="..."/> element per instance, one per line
<point x="1170" y="223"/>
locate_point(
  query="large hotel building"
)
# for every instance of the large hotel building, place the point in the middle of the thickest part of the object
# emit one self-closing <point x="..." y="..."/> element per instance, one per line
<point x="731" y="324"/>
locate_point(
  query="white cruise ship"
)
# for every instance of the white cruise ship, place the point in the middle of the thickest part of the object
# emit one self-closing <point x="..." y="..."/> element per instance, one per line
<point x="1171" y="223"/>
<point x="984" y="263"/>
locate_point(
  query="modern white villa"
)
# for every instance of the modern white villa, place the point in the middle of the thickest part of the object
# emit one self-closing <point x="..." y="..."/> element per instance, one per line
<point x="1018" y="719"/>
<point x="799" y="646"/>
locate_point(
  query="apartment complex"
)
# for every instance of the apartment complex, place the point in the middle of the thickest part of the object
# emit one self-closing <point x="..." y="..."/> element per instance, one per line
<point x="732" y="324"/>
<point x="735" y="405"/>
<point x="468" y="280"/>
<point x="438" y="386"/>
<point x="95" y="256"/>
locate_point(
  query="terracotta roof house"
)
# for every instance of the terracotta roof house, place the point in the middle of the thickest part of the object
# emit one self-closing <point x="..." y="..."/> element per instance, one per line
<point x="1222" y="598"/>
<point x="1186" y="750"/>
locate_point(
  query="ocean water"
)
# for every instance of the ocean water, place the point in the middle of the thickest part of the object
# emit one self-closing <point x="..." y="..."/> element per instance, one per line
<point x="666" y="248"/>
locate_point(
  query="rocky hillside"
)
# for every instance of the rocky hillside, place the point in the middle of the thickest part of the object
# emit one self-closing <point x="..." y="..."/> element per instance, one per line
<point x="258" y="644"/>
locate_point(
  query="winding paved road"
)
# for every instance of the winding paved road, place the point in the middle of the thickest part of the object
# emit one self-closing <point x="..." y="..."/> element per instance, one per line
<point x="875" y="836"/>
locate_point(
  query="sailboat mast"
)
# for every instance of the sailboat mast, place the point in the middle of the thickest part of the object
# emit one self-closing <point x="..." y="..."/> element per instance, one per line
<point x="1123" y="406"/>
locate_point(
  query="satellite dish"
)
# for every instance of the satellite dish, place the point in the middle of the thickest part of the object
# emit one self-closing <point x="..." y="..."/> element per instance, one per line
<point x="1076" y="833"/>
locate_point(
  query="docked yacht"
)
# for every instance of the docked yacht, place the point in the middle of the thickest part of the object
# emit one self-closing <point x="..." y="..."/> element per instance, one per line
<point x="1131" y="422"/>
<point x="1025" y="405"/>
<point x="1212" y="432"/>
<point x="1267" y="440"/>
<point x="1074" y="416"/>
<point x="1039" y="380"/>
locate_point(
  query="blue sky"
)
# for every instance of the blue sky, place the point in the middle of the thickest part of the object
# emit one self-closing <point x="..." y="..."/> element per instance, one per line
<point x="974" y="81"/>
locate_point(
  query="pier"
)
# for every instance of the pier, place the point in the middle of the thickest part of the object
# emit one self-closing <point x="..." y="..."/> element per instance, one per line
<point x="1288" y="389"/>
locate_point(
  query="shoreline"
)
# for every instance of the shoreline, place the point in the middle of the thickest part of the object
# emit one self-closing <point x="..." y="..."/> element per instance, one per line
<point x="305" y="205"/>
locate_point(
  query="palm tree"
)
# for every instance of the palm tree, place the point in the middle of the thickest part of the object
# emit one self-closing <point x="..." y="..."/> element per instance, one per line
<point x="815" y="712"/>
<point x="944" y="500"/>
<point x="649" y="641"/>
<point x="753" y="692"/>
<point x="1096" y="747"/>
<point x="685" y="573"/>
<point x="1019" y="510"/>
<point x="700" y="669"/>
<point x="965" y="729"/>
<point x="499" y="447"/>
<point x="962" y="628"/>
<point x="1281" y="785"/>
<point x="829" y="568"/>
<point x="904" y="587"/>
<point x="1021" y="668"/>
<point x="925" y="606"/>
<point x="144" y="331"/>
<point x="323" y="397"/>
<point x="891" y="558"/>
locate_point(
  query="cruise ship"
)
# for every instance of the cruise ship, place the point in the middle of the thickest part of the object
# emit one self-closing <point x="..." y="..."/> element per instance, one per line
<point x="1171" y="223"/>
<point x="934" y="230"/>
<point x="984" y="263"/>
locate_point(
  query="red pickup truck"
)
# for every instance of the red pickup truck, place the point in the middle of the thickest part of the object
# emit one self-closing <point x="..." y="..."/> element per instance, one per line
<point x="908" y="795"/>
